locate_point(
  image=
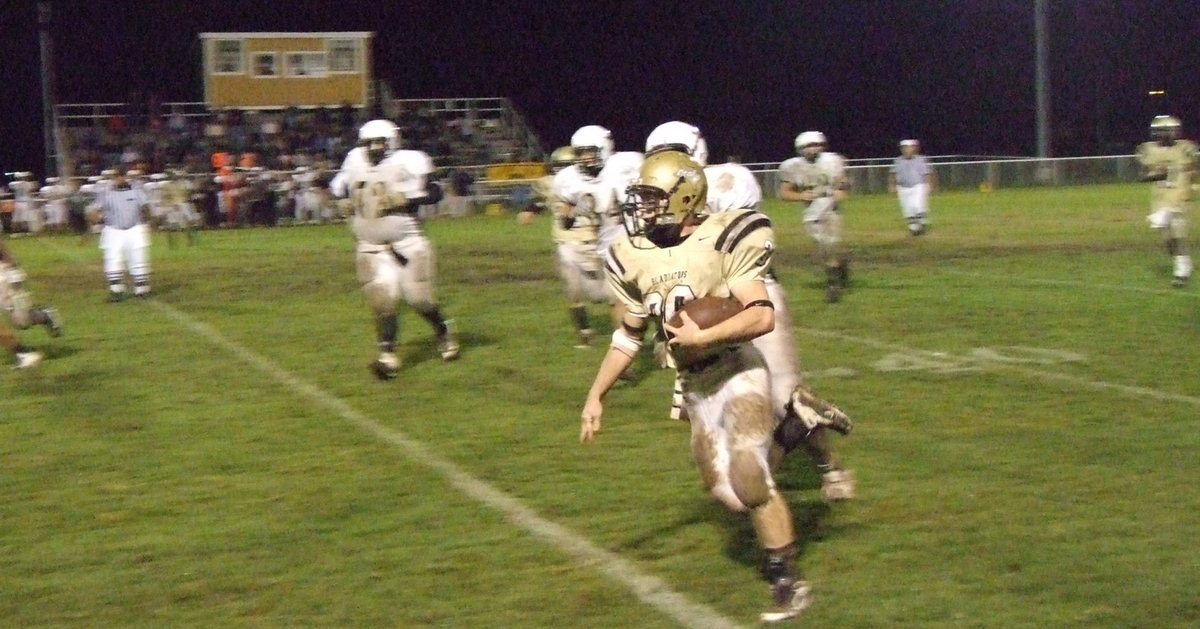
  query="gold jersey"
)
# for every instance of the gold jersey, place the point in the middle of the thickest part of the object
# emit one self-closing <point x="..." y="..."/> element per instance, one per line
<point x="725" y="250"/>
<point x="1177" y="161"/>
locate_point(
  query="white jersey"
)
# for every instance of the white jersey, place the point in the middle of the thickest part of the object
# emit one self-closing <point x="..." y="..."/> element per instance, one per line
<point x="55" y="193"/>
<point x="590" y="199"/>
<point x="378" y="192"/>
<point x="731" y="186"/>
<point x="304" y="180"/>
<point x="153" y="191"/>
<point x="23" y="190"/>
<point x="619" y="171"/>
<point x="822" y="175"/>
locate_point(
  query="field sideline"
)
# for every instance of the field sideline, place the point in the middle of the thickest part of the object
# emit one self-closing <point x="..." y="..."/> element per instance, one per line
<point x="220" y="455"/>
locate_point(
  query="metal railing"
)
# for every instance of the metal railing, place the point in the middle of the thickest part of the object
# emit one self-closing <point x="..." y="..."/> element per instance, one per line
<point x="490" y="113"/>
<point x="952" y="172"/>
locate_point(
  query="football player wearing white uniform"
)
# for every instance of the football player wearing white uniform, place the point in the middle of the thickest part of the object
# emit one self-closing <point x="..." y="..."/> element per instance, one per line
<point x="153" y="189"/>
<point x="18" y="307"/>
<point x="542" y="188"/>
<point x="307" y="196"/>
<point x="620" y="169"/>
<point x="26" y="213"/>
<point x="178" y="212"/>
<point x="675" y="254"/>
<point x="582" y="201"/>
<point x="54" y="197"/>
<point x="1168" y="161"/>
<point x="395" y="260"/>
<point x="817" y="179"/>
<point x="803" y="417"/>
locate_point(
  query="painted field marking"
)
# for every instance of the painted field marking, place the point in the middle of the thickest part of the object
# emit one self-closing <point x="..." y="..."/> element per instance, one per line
<point x="1035" y="374"/>
<point x="651" y="590"/>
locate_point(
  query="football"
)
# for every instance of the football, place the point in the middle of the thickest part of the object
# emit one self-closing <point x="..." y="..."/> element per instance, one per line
<point x="707" y="311"/>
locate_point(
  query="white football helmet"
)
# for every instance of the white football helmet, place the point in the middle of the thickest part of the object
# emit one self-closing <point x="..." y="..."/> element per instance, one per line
<point x="680" y="136"/>
<point x="593" y="146"/>
<point x="378" y="138"/>
<point x="809" y="138"/>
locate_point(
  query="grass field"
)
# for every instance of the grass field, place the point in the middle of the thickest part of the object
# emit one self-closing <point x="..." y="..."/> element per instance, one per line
<point x="1023" y="380"/>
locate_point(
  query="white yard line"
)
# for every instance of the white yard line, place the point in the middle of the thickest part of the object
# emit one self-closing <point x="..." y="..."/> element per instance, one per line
<point x="1035" y="374"/>
<point x="649" y="589"/>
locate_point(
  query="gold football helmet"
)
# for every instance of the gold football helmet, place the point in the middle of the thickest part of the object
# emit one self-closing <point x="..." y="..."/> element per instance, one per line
<point x="669" y="189"/>
<point x="562" y="157"/>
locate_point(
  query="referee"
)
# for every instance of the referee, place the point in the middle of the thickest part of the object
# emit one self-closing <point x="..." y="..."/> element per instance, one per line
<point x="125" y="238"/>
<point x="911" y="179"/>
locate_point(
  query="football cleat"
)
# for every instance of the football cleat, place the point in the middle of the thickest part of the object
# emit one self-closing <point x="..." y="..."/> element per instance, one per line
<point x="448" y="347"/>
<point x="585" y="338"/>
<point x="815" y="412"/>
<point x="386" y="366"/>
<point x="114" y="296"/>
<point x="837" y="485"/>
<point x="53" y="324"/>
<point x="1179" y="281"/>
<point x="791" y="596"/>
<point x="26" y="360"/>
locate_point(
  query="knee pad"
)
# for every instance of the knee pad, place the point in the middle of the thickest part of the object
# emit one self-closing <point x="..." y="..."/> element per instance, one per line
<point x="1177" y="225"/>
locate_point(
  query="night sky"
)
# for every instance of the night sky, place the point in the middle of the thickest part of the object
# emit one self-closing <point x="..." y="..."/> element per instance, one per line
<point x="959" y="74"/>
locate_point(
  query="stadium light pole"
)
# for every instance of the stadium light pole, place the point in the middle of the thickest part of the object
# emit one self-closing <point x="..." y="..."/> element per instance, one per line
<point x="1041" y="79"/>
<point x="47" y="86"/>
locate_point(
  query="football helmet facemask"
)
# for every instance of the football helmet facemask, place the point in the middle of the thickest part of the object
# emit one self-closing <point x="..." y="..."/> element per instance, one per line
<point x="670" y="189"/>
<point x="378" y="138"/>
<point x="592" y="145"/>
<point x="678" y="136"/>
<point x="1165" y="129"/>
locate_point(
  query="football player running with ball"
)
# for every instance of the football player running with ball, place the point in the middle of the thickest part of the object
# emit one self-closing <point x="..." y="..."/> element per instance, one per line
<point x="803" y="417"/>
<point x="673" y="254"/>
<point x="395" y="260"/>
<point x="1168" y="161"/>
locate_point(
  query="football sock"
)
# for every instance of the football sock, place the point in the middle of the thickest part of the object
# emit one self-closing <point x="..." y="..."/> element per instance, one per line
<point x="579" y="316"/>
<point x="387" y="327"/>
<point x="434" y="317"/>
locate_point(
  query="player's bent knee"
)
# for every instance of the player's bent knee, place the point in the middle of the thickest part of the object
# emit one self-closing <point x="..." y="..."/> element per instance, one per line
<point x="748" y="478"/>
<point x="381" y="298"/>
<point x="704" y="454"/>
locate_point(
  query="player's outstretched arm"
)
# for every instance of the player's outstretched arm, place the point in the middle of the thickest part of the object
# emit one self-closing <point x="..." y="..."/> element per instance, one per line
<point x="620" y="354"/>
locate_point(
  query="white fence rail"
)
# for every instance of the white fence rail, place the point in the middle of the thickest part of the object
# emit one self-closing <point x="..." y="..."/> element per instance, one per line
<point x="955" y="173"/>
